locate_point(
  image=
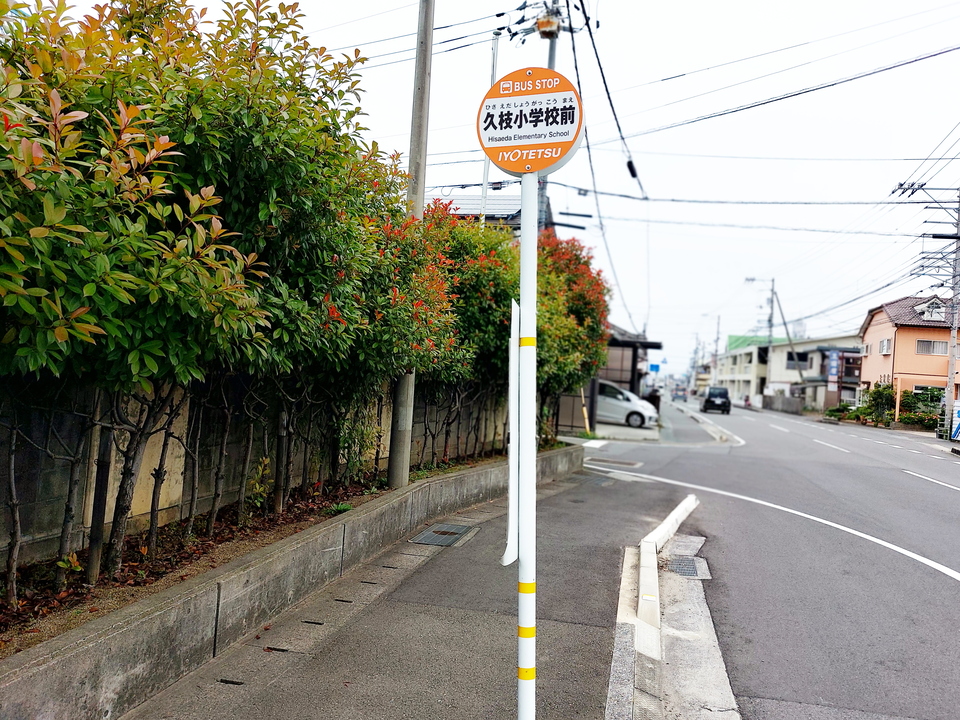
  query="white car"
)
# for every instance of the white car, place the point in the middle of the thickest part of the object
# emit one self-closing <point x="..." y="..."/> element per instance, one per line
<point x="617" y="405"/>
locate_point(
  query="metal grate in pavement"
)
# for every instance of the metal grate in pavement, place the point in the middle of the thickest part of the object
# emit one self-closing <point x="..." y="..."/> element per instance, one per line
<point x="441" y="534"/>
<point x="689" y="567"/>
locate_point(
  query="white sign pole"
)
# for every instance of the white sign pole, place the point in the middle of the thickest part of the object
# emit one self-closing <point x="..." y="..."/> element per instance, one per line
<point x="529" y="124"/>
<point x="510" y="553"/>
<point x="527" y="491"/>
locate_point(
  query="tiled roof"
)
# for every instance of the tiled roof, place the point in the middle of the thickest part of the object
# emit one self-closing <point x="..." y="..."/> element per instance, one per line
<point x="902" y="312"/>
<point x="498" y="206"/>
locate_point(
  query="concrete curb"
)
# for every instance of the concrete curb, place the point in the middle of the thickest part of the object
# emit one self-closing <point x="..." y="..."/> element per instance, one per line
<point x="637" y="642"/>
<point x="110" y="665"/>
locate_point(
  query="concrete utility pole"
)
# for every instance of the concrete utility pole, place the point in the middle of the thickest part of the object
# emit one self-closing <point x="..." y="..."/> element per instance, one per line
<point x="486" y="160"/>
<point x="401" y="423"/>
<point x="952" y="358"/>
<point x="549" y="26"/>
<point x="716" y="354"/>
<point x="773" y="294"/>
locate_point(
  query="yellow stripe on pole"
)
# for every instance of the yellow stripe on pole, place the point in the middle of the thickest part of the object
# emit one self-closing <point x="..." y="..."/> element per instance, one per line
<point x="527" y="673"/>
<point x="528" y="342"/>
<point x="526" y="632"/>
<point x="526" y="587"/>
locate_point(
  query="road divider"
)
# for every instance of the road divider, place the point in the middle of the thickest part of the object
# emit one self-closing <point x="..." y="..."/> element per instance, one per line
<point x="635" y="691"/>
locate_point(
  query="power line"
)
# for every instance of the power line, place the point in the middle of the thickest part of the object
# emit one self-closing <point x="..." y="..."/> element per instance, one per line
<point x="413" y="34"/>
<point x="786" y="96"/>
<point x="695" y="201"/>
<point x="596" y="196"/>
<point x="763" y="227"/>
<point x="439" y="52"/>
<point x="631" y="167"/>
<point x="777" y="72"/>
<point x="784" y="49"/>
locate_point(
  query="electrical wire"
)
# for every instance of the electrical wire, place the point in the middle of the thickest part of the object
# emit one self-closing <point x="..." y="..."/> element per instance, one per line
<point x="762" y="227"/>
<point x="789" y="95"/>
<point x="439" y="52"/>
<point x="593" y="176"/>
<point x="778" y="72"/>
<point x="631" y="167"/>
<point x="413" y="34"/>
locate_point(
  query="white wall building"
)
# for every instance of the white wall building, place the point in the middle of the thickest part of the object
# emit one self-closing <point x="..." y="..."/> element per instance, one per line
<point x="798" y="370"/>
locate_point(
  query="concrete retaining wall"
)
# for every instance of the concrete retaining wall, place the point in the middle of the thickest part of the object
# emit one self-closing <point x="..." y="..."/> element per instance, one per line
<point x="112" y="664"/>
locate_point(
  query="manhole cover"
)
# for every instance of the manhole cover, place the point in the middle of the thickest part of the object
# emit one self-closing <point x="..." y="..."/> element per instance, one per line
<point x="441" y="534"/>
<point x="691" y="567"/>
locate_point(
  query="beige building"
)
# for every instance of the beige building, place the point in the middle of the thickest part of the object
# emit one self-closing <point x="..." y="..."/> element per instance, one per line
<point x="905" y="343"/>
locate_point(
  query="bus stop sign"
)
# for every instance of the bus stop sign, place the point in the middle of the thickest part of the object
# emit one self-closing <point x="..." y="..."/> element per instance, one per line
<point x="530" y="121"/>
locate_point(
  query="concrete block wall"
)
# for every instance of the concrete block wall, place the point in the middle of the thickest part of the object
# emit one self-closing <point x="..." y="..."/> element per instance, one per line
<point x="112" y="664"/>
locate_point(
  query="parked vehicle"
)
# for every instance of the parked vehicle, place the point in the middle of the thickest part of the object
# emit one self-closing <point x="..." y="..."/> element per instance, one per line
<point x="715" y="398"/>
<point x="617" y="405"/>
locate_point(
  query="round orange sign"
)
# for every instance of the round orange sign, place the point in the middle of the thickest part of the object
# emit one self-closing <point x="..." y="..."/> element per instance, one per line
<point x="530" y="121"/>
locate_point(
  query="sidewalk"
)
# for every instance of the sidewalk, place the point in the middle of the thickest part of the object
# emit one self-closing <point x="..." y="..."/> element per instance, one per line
<point x="423" y="631"/>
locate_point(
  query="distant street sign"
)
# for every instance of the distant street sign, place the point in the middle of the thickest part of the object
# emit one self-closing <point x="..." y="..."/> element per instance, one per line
<point x="530" y="121"/>
<point x="654" y="367"/>
<point x="956" y="425"/>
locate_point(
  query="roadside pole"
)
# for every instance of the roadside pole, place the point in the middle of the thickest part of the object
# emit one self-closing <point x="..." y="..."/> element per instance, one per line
<point x="486" y="160"/>
<point x="401" y="422"/>
<point x="951" y="419"/>
<point x="529" y="124"/>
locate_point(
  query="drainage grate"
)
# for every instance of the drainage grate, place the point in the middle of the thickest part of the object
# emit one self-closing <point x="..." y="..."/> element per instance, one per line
<point x="690" y="567"/>
<point x="441" y="534"/>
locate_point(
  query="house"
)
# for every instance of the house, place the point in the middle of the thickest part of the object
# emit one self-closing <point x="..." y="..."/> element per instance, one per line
<point x="742" y="368"/>
<point x="799" y="369"/>
<point x="906" y="343"/>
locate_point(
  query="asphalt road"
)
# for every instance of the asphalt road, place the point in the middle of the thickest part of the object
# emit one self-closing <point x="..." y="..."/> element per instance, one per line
<point x="835" y="554"/>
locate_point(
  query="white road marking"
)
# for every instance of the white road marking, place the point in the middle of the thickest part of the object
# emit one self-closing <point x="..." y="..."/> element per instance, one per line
<point x="879" y="442"/>
<point x="777" y="427"/>
<point x="852" y="435"/>
<point x="914" y="451"/>
<point x="821" y="442"/>
<point x="748" y="419"/>
<point x="949" y="572"/>
<point x="924" y="477"/>
<point x="935" y="457"/>
<point x="898" y="447"/>
<point x="595" y="443"/>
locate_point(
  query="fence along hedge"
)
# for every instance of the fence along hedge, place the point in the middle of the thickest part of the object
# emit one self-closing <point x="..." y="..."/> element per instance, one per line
<point x="196" y="241"/>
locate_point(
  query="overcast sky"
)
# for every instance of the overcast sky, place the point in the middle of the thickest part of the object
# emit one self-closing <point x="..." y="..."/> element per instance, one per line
<point x="675" y="267"/>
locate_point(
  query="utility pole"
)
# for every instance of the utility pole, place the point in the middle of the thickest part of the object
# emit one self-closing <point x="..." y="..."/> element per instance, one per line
<point x="716" y="354"/>
<point x="952" y="359"/>
<point x="549" y="26"/>
<point x="773" y="294"/>
<point x="401" y="422"/>
<point x="486" y="160"/>
<point x="937" y="261"/>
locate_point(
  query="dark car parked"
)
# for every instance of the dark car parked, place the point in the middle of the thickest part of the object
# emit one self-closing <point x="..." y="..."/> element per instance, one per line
<point x="715" y="398"/>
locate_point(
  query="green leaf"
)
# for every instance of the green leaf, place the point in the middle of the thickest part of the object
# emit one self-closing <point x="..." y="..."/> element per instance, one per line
<point x="189" y="138"/>
<point x="89" y="289"/>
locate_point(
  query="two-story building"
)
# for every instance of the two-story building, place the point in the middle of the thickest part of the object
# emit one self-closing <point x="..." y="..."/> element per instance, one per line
<point x="742" y="368"/>
<point x="752" y="367"/>
<point x="800" y="370"/>
<point x="906" y="343"/>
